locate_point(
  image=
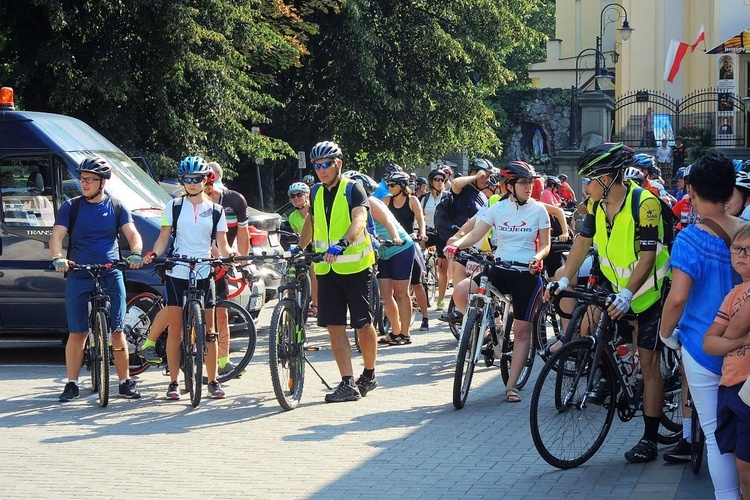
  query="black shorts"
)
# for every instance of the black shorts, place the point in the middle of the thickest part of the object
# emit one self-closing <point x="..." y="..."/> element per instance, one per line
<point x="222" y="288"/>
<point x="524" y="288"/>
<point x="175" y="288"/>
<point x="648" y="328"/>
<point x="339" y="292"/>
<point x="416" y="273"/>
<point x="434" y="240"/>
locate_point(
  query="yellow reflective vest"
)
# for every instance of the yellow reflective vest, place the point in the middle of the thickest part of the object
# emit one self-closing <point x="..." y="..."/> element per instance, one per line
<point x="359" y="255"/>
<point x="618" y="255"/>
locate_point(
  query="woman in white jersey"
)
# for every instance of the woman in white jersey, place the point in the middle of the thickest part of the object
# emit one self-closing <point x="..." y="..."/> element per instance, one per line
<point x="192" y="239"/>
<point x="522" y="228"/>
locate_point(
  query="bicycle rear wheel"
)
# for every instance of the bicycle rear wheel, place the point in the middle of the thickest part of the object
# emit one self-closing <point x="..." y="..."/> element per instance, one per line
<point x="546" y="329"/>
<point x="100" y="351"/>
<point x="568" y="424"/>
<point x="243" y="338"/>
<point x="697" y="444"/>
<point x="139" y="316"/>
<point x="507" y="357"/>
<point x="465" y="359"/>
<point x="670" y="430"/>
<point x="286" y="355"/>
<point x="430" y="282"/>
<point x="193" y="346"/>
<point x="455" y="327"/>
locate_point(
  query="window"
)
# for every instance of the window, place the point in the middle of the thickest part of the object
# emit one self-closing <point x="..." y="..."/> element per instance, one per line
<point x="26" y="192"/>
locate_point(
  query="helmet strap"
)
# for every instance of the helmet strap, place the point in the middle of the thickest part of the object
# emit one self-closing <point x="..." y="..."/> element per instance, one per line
<point x="514" y="197"/>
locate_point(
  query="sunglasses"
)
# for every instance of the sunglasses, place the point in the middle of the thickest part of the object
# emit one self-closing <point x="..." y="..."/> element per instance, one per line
<point x="391" y="184"/>
<point x="192" y="180"/>
<point x="438" y="180"/>
<point x="88" y="180"/>
<point x="296" y="195"/>
<point x="324" y="165"/>
<point x="588" y="180"/>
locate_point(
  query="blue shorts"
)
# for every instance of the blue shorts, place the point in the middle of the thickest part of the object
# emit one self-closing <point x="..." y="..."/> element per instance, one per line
<point x="733" y="423"/>
<point x="397" y="267"/>
<point x="78" y="287"/>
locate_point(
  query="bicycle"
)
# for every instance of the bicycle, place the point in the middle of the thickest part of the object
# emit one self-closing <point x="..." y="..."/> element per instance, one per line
<point x="98" y="353"/>
<point x="143" y="308"/>
<point x="583" y="384"/>
<point x="287" y="332"/>
<point x="488" y="311"/>
<point x="698" y="438"/>
<point x="430" y="278"/>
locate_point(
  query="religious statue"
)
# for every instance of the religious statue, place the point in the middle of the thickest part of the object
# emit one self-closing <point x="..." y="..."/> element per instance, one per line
<point x="538" y="142"/>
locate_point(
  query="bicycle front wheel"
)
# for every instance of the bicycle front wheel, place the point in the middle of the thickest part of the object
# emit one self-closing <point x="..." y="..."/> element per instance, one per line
<point x="243" y="338"/>
<point x="465" y="358"/>
<point x="697" y="444"/>
<point x="100" y="351"/>
<point x="569" y="423"/>
<point x="670" y="428"/>
<point x="286" y="355"/>
<point x="547" y="328"/>
<point x="193" y="345"/>
<point x="454" y="326"/>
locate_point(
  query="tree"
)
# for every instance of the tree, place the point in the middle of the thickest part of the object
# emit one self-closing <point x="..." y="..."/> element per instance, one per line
<point x="161" y="77"/>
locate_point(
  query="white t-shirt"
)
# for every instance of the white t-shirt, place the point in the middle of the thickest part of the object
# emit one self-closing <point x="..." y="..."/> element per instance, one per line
<point x="516" y="228"/>
<point x="429" y="206"/>
<point x="193" y="237"/>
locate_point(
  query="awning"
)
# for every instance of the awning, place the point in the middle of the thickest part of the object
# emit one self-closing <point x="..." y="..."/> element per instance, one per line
<point x="738" y="44"/>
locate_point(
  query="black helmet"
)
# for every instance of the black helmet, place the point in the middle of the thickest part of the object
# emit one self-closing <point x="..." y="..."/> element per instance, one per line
<point x="434" y="173"/>
<point x="325" y="149"/>
<point x="392" y="168"/>
<point x="518" y="170"/>
<point x="96" y="165"/>
<point x="554" y="182"/>
<point x="481" y="164"/>
<point x="606" y="158"/>
<point x="420" y="181"/>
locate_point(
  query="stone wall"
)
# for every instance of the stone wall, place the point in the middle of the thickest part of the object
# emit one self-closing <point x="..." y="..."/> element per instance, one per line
<point x="549" y="111"/>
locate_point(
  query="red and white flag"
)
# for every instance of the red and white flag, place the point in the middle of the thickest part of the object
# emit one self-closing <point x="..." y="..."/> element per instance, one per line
<point x="676" y="54"/>
<point x="701" y="38"/>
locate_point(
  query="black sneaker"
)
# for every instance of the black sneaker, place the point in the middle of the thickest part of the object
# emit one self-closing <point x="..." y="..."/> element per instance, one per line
<point x="454" y="316"/>
<point x="366" y="385"/>
<point x="679" y="453"/>
<point x="344" y="392"/>
<point x="70" y="392"/>
<point x="644" y="451"/>
<point x="129" y="390"/>
<point x="425" y="325"/>
<point x="173" y="392"/>
<point x="215" y="390"/>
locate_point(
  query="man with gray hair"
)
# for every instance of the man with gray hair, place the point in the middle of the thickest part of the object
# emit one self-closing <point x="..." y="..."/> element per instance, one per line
<point x="219" y="172"/>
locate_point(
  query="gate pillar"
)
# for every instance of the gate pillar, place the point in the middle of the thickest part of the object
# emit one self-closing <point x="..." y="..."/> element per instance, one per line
<point x="597" y="112"/>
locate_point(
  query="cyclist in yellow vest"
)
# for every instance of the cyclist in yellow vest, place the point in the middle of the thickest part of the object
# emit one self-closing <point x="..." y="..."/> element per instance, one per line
<point x="635" y="263"/>
<point x="337" y="226"/>
<point x="299" y="196"/>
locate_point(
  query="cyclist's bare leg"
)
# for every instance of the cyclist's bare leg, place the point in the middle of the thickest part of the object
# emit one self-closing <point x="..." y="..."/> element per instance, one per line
<point x="743" y="468"/>
<point x="461" y="290"/>
<point x="212" y="348"/>
<point x="458" y="273"/>
<point x="222" y="325"/>
<point x="121" y="355"/>
<point x="521" y="346"/>
<point x="74" y="354"/>
<point x="160" y="323"/>
<point x="313" y="288"/>
<point x="653" y="387"/>
<point x="342" y="350"/>
<point x="368" y="344"/>
<point x="390" y="305"/>
<point x="421" y="296"/>
<point x="174" y="341"/>
<point x="403" y="301"/>
<point x="442" y="268"/>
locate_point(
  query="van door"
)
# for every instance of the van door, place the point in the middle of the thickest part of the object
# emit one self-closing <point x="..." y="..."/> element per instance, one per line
<point x="32" y="297"/>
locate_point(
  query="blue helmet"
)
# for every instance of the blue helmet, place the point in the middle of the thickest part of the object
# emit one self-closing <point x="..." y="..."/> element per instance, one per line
<point x="193" y="165"/>
<point x="643" y="160"/>
<point x="737" y="165"/>
<point x="680" y="173"/>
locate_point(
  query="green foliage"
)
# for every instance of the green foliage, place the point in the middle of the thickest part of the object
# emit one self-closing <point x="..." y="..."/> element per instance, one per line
<point x="695" y="136"/>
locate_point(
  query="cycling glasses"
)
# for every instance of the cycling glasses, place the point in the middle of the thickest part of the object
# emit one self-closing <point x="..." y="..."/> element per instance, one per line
<point x="391" y="184"/>
<point x="588" y="180"/>
<point x="296" y="195"/>
<point x="324" y="165"/>
<point x="438" y="179"/>
<point x="192" y="180"/>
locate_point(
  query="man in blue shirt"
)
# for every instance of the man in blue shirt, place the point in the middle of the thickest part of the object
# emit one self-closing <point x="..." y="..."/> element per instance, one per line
<point x="93" y="240"/>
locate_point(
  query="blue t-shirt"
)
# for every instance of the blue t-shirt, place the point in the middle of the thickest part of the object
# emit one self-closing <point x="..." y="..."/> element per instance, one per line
<point x="382" y="191"/>
<point x="95" y="231"/>
<point x="706" y="259"/>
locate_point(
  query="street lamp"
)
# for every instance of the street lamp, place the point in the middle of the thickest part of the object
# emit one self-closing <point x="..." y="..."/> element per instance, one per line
<point x="612" y="11"/>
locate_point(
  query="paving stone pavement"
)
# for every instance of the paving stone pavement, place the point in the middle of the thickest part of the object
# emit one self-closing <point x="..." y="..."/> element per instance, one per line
<point x="404" y="440"/>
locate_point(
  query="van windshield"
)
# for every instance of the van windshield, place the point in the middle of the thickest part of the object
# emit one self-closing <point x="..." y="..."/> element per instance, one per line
<point x="129" y="184"/>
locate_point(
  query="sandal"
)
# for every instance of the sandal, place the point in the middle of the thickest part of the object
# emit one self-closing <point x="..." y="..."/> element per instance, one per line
<point x="386" y="339"/>
<point x="401" y="339"/>
<point x="312" y="312"/>
<point x="512" y="396"/>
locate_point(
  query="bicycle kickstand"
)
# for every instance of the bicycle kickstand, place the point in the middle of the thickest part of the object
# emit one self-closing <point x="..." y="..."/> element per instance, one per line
<point x="318" y="374"/>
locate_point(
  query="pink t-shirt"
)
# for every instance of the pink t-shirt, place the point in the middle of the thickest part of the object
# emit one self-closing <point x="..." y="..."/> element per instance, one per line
<point x="550" y="198"/>
<point x="736" y="367"/>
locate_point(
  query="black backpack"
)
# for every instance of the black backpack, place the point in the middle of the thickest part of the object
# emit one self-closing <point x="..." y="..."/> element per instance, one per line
<point x="445" y="217"/>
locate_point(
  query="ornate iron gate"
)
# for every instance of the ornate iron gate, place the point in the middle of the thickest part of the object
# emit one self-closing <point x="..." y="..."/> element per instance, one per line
<point x="710" y="117"/>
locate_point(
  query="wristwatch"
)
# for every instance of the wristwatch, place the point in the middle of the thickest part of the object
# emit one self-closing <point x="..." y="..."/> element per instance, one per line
<point x="343" y="243"/>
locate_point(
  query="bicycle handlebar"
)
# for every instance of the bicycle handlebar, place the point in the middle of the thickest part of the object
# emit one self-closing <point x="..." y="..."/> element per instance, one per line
<point x="512" y="265"/>
<point x="599" y="298"/>
<point x="118" y="264"/>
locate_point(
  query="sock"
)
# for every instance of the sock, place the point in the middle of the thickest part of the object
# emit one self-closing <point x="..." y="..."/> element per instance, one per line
<point x="349" y="380"/>
<point x="148" y="343"/>
<point x="223" y="362"/>
<point x="651" y="430"/>
<point x="123" y="381"/>
<point x="74" y="381"/>
<point x="687" y="428"/>
<point x="368" y="374"/>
